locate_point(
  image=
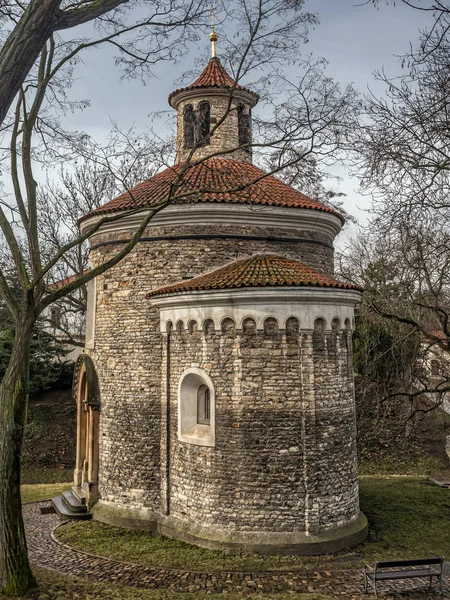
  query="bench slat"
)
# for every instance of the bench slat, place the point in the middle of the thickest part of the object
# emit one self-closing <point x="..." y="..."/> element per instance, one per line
<point x="380" y="576"/>
<point x="415" y="562"/>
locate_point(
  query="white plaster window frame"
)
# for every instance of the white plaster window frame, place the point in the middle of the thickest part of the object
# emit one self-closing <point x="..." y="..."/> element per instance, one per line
<point x="91" y="310"/>
<point x="189" y="430"/>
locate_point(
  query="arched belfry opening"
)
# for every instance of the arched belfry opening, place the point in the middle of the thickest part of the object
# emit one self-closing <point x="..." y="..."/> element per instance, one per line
<point x="189" y="126"/>
<point x="87" y="395"/>
<point x="244" y="127"/>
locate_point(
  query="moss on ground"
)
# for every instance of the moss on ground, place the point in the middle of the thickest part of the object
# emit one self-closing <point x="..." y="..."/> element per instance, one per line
<point x="45" y="491"/>
<point x="157" y="550"/>
<point x="406" y="517"/>
<point x="53" y="586"/>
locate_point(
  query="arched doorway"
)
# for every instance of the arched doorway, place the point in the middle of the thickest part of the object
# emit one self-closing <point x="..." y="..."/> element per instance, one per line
<point x="86" y="391"/>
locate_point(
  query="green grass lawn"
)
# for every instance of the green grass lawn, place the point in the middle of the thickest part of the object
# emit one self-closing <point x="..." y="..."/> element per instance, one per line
<point x="53" y="586"/>
<point x="156" y="550"/>
<point x="44" y="491"/>
<point x="408" y="518"/>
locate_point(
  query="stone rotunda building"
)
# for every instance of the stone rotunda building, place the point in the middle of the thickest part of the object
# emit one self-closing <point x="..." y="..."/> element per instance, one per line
<point x="215" y="394"/>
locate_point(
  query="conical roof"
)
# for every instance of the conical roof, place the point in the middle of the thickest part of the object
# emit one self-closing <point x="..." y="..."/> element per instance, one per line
<point x="257" y="271"/>
<point x="213" y="180"/>
<point x="214" y="75"/>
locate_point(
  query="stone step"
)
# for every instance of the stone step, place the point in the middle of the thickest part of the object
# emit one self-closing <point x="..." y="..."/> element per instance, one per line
<point x="440" y="483"/>
<point x="79" y="493"/>
<point x="72" y="502"/>
<point x="65" y="513"/>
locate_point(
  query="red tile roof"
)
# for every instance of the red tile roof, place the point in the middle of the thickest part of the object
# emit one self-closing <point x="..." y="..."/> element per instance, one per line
<point x="438" y="333"/>
<point x="56" y="285"/>
<point x="257" y="271"/>
<point x="213" y="180"/>
<point x="213" y="75"/>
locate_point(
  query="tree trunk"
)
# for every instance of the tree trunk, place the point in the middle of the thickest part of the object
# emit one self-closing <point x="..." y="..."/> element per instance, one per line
<point x="15" y="572"/>
<point x="22" y="48"/>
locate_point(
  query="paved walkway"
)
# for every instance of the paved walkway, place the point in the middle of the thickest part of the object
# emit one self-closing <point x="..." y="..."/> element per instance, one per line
<point x="346" y="584"/>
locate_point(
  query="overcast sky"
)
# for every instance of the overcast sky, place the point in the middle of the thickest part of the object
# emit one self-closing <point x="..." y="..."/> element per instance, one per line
<point x="355" y="38"/>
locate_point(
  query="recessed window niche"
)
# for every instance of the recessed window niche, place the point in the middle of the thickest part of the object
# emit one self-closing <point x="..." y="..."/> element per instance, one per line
<point x="196" y="408"/>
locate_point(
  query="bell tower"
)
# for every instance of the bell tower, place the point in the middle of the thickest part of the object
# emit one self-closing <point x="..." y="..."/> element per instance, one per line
<point x="214" y="114"/>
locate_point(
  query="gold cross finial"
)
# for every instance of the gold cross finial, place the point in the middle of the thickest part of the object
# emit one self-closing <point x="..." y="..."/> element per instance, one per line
<point x="213" y="35"/>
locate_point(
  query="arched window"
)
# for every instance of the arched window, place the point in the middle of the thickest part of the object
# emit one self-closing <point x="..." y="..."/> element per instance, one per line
<point x="192" y="326"/>
<point x="196" y="408"/>
<point x="203" y="405"/>
<point x="335" y="325"/>
<point x="55" y="316"/>
<point x="189" y="125"/>
<point x="320" y="326"/>
<point x="244" y="128"/>
<point x="203" y="123"/>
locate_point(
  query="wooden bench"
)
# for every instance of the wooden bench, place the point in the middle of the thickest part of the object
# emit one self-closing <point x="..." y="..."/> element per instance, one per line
<point x="403" y="569"/>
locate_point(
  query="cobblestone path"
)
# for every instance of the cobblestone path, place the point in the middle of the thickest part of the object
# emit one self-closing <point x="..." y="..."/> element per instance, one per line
<point x="346" y="584"/>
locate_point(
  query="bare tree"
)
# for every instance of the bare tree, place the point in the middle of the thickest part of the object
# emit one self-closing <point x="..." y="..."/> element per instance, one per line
<point x="403" y="161"/>
<point x="433" y="38"/>
<point x="63" y="200"/>
<point x="403" y="321"/>
<point x="31" y="60"/>
<point x="28" y="26"/>
<point x="404" y="150"/>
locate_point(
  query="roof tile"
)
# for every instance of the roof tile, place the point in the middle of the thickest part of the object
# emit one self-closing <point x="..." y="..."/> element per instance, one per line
<point x="213" y="180"/>
<point x="257" y="271"/>
<point x="213" y="75"/>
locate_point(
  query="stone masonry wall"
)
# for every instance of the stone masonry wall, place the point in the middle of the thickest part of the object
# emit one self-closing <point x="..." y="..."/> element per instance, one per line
<point x="333" y="467"/>
<point x="127" y="352"/>
<point x="318" y="253"/>
<point x="285" y="457"/>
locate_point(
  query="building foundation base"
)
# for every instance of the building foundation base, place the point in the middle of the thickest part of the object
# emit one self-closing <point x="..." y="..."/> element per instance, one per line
<point x="261" y="542"/>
